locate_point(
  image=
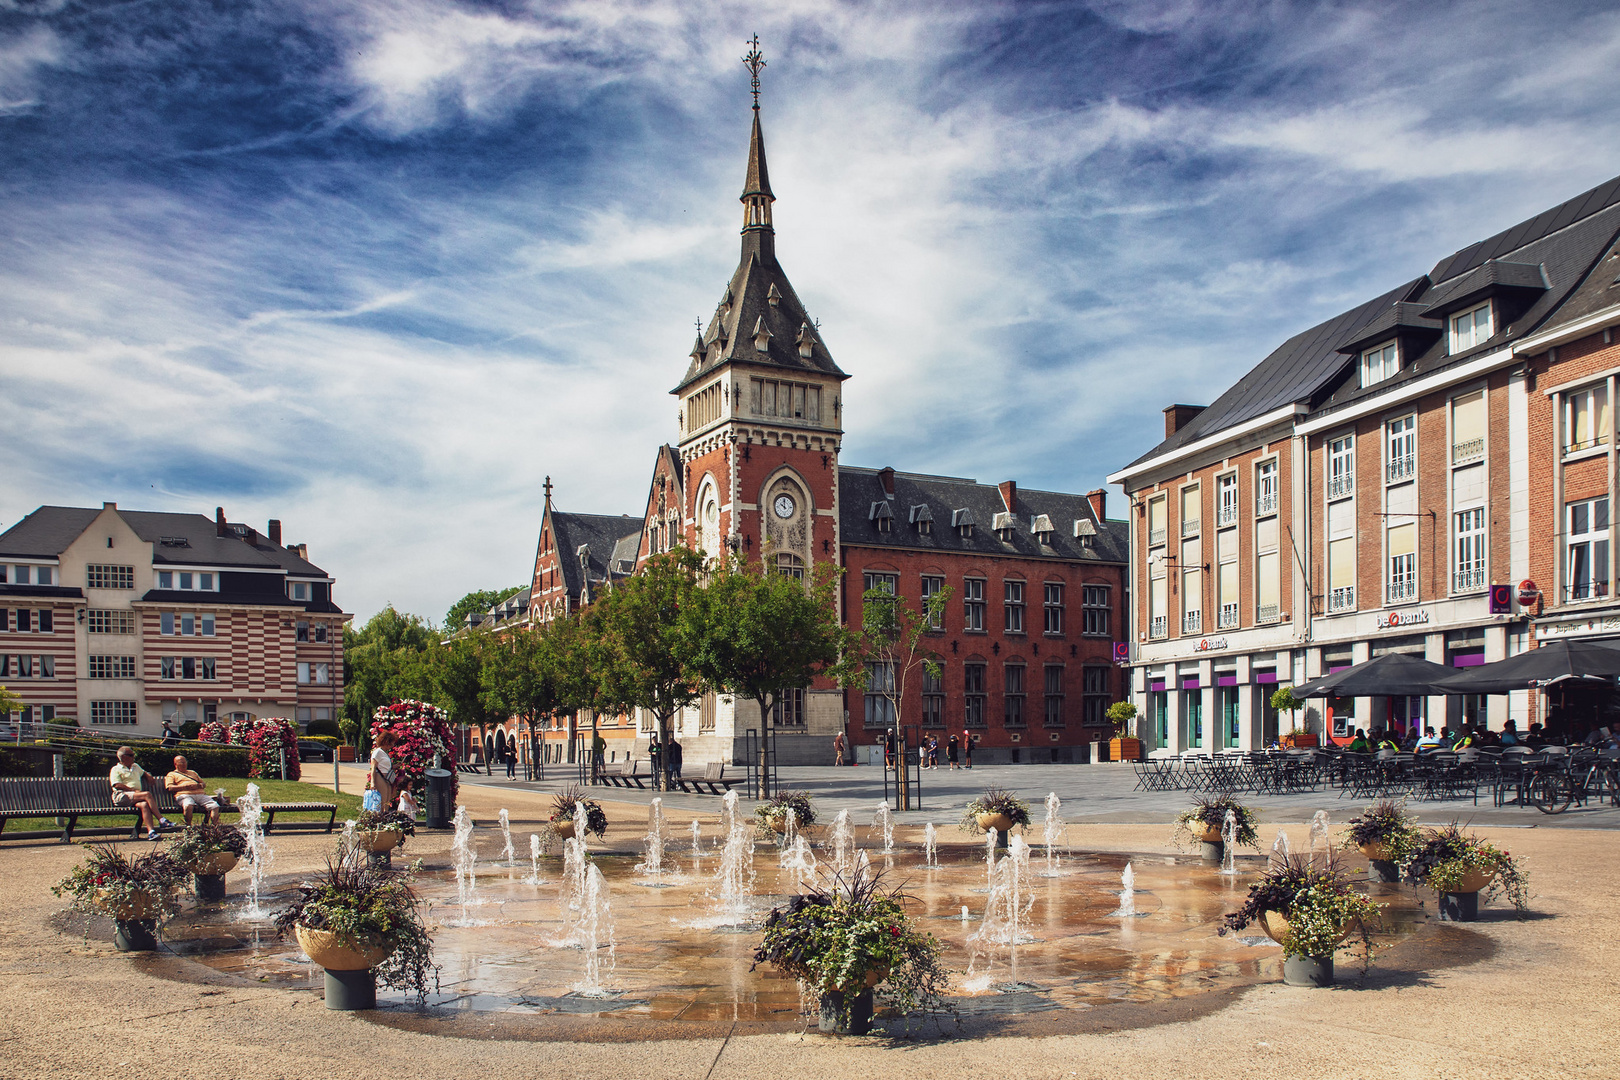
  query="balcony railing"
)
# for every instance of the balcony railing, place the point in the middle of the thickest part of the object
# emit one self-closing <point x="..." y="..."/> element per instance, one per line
<point x="1401" y="588"/>
<point x="1155" y="537"/>
<point x="1401" y="468"/>
<point x="1228" y="616"/>
<point x="1467" y="450"/>
<point x="1342" y="598"/>
<point x="1159" y="626"/>
<point x="1192" y="622"/>
<point x="1189" y="527"/>
<point x="1224" y="516"/>
<point x="1471" y="579"/>
<point x="1265" y="503"/>
<point x="1586" y="590"/>
<point x="1341" y="486"/>
<point x="1266" y="613"/>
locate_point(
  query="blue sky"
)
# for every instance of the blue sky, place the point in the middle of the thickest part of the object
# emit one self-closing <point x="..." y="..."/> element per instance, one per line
<point x="377" y="267"/>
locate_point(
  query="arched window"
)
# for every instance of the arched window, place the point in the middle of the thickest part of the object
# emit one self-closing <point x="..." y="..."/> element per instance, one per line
<point x="790" y="565"/>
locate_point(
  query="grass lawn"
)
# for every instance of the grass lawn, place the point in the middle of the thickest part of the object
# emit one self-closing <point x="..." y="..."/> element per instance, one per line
<point x="270" y="791"/>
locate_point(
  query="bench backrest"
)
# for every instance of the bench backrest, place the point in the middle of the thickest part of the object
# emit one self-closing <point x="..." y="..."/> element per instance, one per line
<point x="714" y="770"/>
<point x="51" y="792"/>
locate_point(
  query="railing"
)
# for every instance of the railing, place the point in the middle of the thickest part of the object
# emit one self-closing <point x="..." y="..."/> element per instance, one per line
<point x="1189" y="527"/>
<point x="1228" y="616"/>
<point x="1266" y="613"/>
<point x="1401" y="468"/>
<point x="1155" y="537"/>
<point x="1467" y="450"/>
<point x="1265" y="503"/>
<point x="1342" y="598"/>
<point x="1159" y="626"/>
<point x="1192" y="622"/>
<point x="1225" y="515"/>
<point x="1341" y="486"/>
<point x="1470" y="580"/>
<point x="1576" y="446"/>
<point x="1403" y="587"/>
<point x="1586" y="590"/>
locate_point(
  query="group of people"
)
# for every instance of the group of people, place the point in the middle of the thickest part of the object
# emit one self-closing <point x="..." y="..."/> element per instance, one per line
<point x="958" y="751"/>
<point x="129" y="789"/>
<point x="1460" y="738"/>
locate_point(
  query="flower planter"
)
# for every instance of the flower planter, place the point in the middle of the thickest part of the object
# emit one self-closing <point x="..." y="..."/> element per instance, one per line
<point x="999" y="822"/>
<point x="563" y="829"/>
<point x="335" y="953"/>
<point x="1474" y="881"/>
<point x="378" y="841"/>
<point x="1376" y="851"/>
<point x="1302" y="741"/>
<point x="779" y="825"/>
<point x="1124" y="749"/>
<point x="215" y="864"/>
<point x="1205" y="832"/>
<point x="1308" y="970"/>
<point x="1275" y="924"/>
<point x="139" y="906"/>
<point x="832" y="1020"/>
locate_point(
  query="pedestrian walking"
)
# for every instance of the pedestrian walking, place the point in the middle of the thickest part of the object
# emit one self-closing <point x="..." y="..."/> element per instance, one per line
<point x="933" y="751"/>
<point x="967" y="750"/>
<point x="951" y="752"/>
<point x="838" y="748"/>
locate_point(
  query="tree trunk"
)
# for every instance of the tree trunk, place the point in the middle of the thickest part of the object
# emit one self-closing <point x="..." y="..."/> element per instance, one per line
<point x="765" y="708"/>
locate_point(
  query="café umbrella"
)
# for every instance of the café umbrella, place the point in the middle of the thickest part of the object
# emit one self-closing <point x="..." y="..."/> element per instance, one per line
<point x="1556" y="662"/>
<point x="1390" y="675"/>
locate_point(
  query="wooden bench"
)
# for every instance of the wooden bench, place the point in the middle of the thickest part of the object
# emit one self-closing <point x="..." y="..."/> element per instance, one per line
<point x="714" y="778"/>
<point x="73" y="797"/>
<point x="622" y="774"/>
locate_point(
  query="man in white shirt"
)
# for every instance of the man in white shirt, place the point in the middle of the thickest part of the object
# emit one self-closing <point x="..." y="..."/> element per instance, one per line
<point x="1428" y="742"/>
<point x="125" y="778"/>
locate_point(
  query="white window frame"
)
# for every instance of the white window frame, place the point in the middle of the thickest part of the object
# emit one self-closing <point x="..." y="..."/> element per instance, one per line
<point x="1588" y="543"/>
<point x="1400" y="449"/>
<point x="1462" y="339"/>
<point x="1341" y="467"/>
<point x="1379" y="363"/>
<point x="1597" y="393"/>
<point x="1266" y="485"/>
<point x="1468" y="550"/>
<point x="1226" y="500"/>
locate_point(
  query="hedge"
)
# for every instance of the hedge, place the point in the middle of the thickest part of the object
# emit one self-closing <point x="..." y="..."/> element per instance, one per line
<point x="97" y="760"/>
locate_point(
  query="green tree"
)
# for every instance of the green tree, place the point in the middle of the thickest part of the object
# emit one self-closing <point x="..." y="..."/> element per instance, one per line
<point x="9" y="702"/>
<point x="517" y="678"/>
<point x="477" y="600"/>
<point x="645" y="631"/>
<point x="892" y="644"/>
<point x="459" y="670"/>
<point x="383" y="661"/>
<point x="763" y="633"/>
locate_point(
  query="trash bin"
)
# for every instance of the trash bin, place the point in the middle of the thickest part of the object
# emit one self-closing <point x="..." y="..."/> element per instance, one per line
<point x="440" y="805"/>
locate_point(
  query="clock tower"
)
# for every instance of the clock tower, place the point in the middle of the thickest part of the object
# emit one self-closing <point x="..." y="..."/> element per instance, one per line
<point x="761" y="410"/>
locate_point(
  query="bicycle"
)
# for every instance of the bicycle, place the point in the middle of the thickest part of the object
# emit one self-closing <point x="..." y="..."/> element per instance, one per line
<point x="1552" y="790"/>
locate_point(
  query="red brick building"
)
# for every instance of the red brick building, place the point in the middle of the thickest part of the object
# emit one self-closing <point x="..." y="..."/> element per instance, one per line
<point x="1374" y="477"/>
<point x="125" y="619"/>
<point x="755" y="468"/>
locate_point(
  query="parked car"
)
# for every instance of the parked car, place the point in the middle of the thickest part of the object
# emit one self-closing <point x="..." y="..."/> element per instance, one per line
<point x="311" y="750"/>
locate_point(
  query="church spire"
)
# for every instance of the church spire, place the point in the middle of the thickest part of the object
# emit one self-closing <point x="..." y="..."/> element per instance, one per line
<point x="756" y="196"/>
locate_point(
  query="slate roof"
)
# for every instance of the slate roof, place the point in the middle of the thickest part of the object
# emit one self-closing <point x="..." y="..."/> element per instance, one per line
<point x="861" y="490"/>
<point x="49" y="530"/>
<point x="602" y="535"/>
<point x="1535" y="266"/>
<point x="747" y="304"/>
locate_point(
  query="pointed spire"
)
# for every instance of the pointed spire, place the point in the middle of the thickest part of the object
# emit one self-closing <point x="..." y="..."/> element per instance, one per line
<point x="758" y="180"/>
<point x="756" y="196"/>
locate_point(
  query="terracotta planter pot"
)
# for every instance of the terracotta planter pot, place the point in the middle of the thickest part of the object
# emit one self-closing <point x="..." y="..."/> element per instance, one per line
<point x="873" y="977"/>
<point x="998" y="822"/>
<point x="1302" y="741"/>
<point x="216" y="863"/>
<point x="779" y="825"/>
<point x="563" y="829"/>
<point x="1276" y="926"/>
<point x="1473" y="881"/>
<point x="338" y="954"/>
<point x="1376" y="851"/>
<point x="1124" y="749"/>
<point x="379" y="840"/>
<point x="142" y="905"/>
<point x="1209" y="834"/>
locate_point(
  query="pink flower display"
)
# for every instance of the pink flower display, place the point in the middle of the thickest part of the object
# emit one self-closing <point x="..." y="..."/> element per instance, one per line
<point x="421" y="732"/>
<point x="264" y="738"/>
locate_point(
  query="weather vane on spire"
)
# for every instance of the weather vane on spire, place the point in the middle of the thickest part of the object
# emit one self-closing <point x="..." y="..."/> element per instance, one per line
<point x="753" y="61"/>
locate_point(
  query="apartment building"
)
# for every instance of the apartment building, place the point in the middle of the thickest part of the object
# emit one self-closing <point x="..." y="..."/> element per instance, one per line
<point x="123" y="620"/>
<point x="1391" y="480"/>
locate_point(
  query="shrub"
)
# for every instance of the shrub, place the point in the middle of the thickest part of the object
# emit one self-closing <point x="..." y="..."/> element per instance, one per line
<point x="323" y="729"/>
<point x="189" y="729"/>
<point x="265" y="738"/>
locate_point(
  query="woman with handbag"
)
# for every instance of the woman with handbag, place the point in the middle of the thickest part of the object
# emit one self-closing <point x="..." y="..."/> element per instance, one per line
<point x="381" y="778"/>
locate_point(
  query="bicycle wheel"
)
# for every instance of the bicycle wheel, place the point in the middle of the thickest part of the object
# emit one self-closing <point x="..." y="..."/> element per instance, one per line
<point x="1550" y="792"/>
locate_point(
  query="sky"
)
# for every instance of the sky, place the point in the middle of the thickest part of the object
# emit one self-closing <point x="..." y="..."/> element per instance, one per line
<point x="376" y="268"/>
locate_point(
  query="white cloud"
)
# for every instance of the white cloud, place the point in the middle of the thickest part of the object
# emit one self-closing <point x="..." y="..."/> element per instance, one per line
<point x="21" y="57"/>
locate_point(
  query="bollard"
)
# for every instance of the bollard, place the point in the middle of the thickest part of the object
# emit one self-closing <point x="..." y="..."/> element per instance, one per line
<point x="350" y="991"/>
<point x="210" y="887"/>
<point x="134" y="935"/>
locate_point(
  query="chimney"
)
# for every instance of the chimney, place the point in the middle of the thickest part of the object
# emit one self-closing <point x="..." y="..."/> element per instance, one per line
<point x="1009" y="495"/>
<point x="886" y="478"/>
<point x="1099" y="503"/>
<point x="109" y="506"/>
<point x="1177" y="417"/>
<point x="219" y="521"/>
<point x="303" y="551"/>
<point x="274" y="532"/>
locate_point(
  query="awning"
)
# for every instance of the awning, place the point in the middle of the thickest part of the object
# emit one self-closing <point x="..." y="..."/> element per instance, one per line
<point x="1391" y="675"/>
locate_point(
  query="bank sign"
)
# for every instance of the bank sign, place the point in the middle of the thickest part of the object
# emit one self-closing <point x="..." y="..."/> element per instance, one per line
<point x="1396" y="619"/>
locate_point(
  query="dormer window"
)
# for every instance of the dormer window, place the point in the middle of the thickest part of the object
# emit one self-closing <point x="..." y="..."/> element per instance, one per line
<point x="923" y="519"/>
<point x="1041" y="526"/>
<point x="1004" y="526"/>
<point x="1085" y="532"/>
<point x="1471" y="328"/>
<point x="299" y="590"/>
<point x="882" y="516"/>
<point x="762" y="336"/>
<point x="1379" y="364"/>
<point x="806" y="340"/>
<point x="962" y="520"/>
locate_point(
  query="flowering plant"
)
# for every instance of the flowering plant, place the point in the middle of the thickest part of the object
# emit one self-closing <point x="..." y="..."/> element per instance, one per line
<point x="421" y="731"/>
<point x="1211" y="813"/>
<point x="850" y="933"/>
<point x="565" y="805"/>
<point x="767" y="814"/>
<point x="199" y="841"/>
<point x="107" y="883"/>
<point x="1387" y="823"/>
<point x="265" y="737"/>
<point x="994" y="801"/>
<point x="1448" y="856"/>
<point x="1315" y="899"/>
<point x="385" y="820"/>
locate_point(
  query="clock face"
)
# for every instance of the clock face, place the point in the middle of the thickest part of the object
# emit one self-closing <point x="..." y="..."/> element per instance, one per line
<point x="784" y="506"/>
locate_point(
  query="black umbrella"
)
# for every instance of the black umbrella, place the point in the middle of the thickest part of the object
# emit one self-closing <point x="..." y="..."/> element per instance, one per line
<point x="1391" y="675"/>
<point x="1553" y="662"/>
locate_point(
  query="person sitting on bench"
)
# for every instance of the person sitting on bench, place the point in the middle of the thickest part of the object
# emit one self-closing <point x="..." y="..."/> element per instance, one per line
<point x="187" y="789"/>
<point x="125" y="778"/>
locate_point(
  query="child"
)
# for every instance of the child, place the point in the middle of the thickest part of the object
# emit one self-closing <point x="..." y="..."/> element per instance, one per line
<point x="407" y="805"/>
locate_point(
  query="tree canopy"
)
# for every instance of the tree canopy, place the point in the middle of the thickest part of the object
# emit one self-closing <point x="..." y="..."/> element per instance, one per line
<point x="477" y="600"/>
